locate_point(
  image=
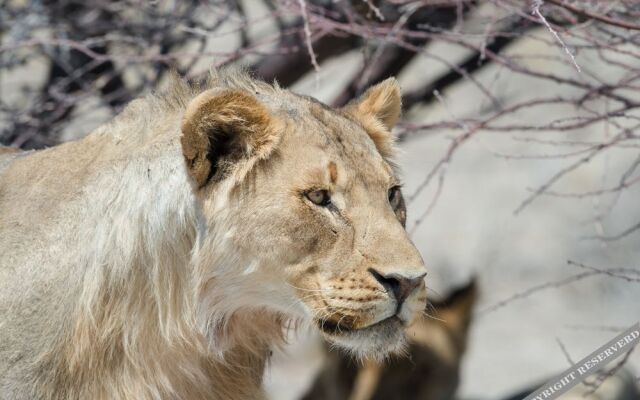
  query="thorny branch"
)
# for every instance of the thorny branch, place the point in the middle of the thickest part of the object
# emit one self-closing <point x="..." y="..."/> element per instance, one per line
<point x="630" y="275"/>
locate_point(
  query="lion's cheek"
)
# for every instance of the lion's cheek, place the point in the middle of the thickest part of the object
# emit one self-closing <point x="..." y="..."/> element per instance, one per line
<point x="289" y="239"/>
<point x="309" y="234"/>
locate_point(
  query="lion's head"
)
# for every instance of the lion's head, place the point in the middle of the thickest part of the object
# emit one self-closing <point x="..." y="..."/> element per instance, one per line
<point x="310" y="202"/>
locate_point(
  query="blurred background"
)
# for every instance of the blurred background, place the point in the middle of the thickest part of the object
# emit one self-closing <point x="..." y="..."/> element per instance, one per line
<point x="519" y="148"/>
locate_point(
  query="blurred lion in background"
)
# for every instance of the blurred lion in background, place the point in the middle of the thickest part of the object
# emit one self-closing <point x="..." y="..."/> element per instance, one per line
<point x="163" y="255"/>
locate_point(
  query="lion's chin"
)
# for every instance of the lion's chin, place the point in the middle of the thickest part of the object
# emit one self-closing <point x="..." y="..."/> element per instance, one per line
<point x="376" y="341"/>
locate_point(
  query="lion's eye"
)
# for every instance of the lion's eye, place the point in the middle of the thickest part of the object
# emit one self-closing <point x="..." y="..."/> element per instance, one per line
<point x="319" y="197"/>
<point x="395" y="197"/>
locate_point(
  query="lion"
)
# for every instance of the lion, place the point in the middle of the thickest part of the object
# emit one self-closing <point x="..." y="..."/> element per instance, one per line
<point x="165" y="254"/>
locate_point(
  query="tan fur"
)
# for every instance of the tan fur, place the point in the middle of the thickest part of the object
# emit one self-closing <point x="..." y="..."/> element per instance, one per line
<point x="163" y="255"/>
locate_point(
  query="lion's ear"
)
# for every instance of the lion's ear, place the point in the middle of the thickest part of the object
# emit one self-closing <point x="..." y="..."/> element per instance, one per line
<point x="221" y="127"/>
<point x="378" y="109"/>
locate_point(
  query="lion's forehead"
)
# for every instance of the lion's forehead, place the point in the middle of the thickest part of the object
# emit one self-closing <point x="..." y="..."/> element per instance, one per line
<point x="329" y="136"/>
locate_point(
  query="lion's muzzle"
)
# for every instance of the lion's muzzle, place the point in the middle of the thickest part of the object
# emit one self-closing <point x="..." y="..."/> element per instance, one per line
<point x="399" y="286"/>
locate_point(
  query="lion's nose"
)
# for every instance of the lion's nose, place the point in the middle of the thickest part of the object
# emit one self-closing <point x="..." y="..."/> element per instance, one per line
<point x="400" y="286"/>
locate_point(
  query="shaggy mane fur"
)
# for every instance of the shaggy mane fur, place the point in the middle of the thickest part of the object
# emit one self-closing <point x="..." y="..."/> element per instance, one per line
<point x="135" y="327"/>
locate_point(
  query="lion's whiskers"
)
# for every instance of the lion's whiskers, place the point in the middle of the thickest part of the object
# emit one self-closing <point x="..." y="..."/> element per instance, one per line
<point x="309" y="290"/>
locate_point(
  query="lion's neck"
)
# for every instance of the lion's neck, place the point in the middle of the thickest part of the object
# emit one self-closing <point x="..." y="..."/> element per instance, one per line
<point x="101" y="364"/>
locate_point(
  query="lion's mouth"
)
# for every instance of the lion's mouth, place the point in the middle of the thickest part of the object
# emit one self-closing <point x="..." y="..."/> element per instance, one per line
<point x="336" y="328"/>
<point x="376" y="340"/>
